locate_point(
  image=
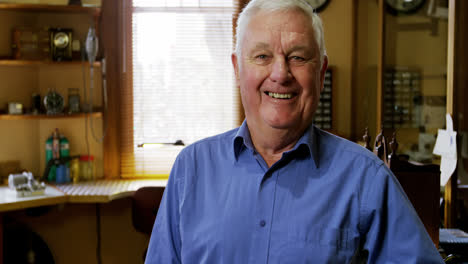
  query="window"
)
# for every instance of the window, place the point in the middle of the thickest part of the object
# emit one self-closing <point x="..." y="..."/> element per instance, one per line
<point x="183" y="84"/>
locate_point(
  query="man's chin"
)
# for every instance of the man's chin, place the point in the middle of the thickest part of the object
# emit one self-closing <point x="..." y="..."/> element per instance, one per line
<point x="282" y="124"/>
<point x="290" y="124"/>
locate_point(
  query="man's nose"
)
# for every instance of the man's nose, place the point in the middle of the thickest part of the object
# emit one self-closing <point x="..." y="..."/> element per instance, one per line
<point x="280" y="71"/>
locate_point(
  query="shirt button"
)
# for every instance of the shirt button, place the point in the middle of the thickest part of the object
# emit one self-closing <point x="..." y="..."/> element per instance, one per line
<point x="262" y="223"/>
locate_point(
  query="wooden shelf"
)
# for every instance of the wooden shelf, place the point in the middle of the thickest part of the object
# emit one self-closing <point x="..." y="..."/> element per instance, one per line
<point x="44" y="62"/>
<point x="50" y="8"/>
<point x="44" y="116"/>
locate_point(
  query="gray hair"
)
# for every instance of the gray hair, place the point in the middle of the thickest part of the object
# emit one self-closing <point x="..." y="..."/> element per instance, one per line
<point x="254" y="6"/>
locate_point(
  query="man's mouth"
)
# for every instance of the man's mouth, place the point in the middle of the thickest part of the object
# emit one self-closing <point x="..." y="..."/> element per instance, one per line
<point x="280" y="95"/>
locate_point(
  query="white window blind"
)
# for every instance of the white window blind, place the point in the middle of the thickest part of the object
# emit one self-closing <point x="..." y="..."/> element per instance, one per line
<point x="183" y="82"/>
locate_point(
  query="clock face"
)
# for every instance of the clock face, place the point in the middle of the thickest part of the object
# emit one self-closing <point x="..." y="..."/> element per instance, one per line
<point x="405" y="6"/>
<point x="61" y="40"/>
<point x="318" y="5"/>
<point x="53" y="103"/>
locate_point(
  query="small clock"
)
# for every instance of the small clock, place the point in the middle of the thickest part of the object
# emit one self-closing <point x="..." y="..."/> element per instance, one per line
<point x="318" y="5"/>
<point x="404" y="6"/>
<point x="53" y="103"/>
<point x="61" y="44"/>
<point x="61" y="40"/>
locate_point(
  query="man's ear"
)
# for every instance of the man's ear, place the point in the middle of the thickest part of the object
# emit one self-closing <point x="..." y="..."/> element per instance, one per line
<point x="323" y="70"/>
<point x="235" y="64"/>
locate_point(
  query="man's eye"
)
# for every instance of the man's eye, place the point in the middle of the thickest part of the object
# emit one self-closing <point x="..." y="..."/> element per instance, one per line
<point x="261" y="59"/>
<point x="296" y="58"/>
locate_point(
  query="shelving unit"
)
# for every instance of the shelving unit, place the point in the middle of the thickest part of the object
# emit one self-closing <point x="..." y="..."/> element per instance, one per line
<point x="50" y="8"/>
<point x="27" y="133"/>
<point x="6" y="62"/>
<point x="44" y="116"/>
<point x="23" y="137"/>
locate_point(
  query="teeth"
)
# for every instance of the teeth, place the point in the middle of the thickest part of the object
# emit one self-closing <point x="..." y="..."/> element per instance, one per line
<point x="279" y="95"/>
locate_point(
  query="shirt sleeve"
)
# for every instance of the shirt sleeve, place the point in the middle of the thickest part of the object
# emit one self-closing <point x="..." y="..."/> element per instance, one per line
<point x="165" y="242"/>
<point x="392" y="229"/>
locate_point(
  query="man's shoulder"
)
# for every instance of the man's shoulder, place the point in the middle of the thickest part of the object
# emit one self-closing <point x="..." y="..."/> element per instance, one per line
<point x="331" y="144"/>
<point x="340" y="156"/>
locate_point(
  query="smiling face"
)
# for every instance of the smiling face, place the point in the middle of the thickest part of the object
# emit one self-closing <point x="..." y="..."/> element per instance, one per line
<point x="278" y="71"/>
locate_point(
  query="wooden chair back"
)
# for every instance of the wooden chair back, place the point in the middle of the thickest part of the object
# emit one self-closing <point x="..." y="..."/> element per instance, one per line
<point x="145" y="207"/>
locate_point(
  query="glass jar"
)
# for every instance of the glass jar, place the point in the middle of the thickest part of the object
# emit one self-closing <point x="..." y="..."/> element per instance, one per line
<point x="73" y="100"/>
<point x="75" y="170"/>
<point x="87" y="167"/>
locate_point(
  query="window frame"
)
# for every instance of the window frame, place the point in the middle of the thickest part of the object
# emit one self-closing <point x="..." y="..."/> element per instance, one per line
<point x="117" y="22"/>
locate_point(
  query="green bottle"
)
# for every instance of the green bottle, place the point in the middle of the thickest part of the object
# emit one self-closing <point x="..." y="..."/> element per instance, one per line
<point x="52" y="151"/>
<point x="48" y="156"/>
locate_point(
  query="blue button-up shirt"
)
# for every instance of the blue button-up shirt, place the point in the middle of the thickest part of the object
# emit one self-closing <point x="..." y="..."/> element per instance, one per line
<point x="327" y="200"/>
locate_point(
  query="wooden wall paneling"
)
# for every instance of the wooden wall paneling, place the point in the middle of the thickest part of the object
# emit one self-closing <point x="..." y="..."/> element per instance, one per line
<point x="451" y="186"/>
<point x="111" y="35"/>
<point x="456" y="93"/>
<point x="354" y="72"/>
<point x="126" y="79"/>
<point x="380" y="65"/>
<point x="364" y="69"/>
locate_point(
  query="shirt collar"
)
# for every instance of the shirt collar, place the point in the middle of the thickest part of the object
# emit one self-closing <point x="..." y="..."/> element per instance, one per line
<point x="242" y="140"/>
<point x="307" y="141"/>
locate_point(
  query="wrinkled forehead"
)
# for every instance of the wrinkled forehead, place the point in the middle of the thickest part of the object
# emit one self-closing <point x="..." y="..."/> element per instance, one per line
<point x="282" y="20"/>
<point x="290" y="25"/>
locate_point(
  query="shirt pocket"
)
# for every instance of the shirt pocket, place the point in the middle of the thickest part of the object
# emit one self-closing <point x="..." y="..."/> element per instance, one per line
<point x="319" y="245"/>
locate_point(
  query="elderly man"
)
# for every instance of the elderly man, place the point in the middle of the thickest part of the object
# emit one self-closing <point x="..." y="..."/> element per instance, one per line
<point x="277" y="189"/>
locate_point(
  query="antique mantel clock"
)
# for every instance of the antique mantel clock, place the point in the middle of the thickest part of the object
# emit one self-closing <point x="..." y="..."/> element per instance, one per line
<point x="404" y="6"/>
